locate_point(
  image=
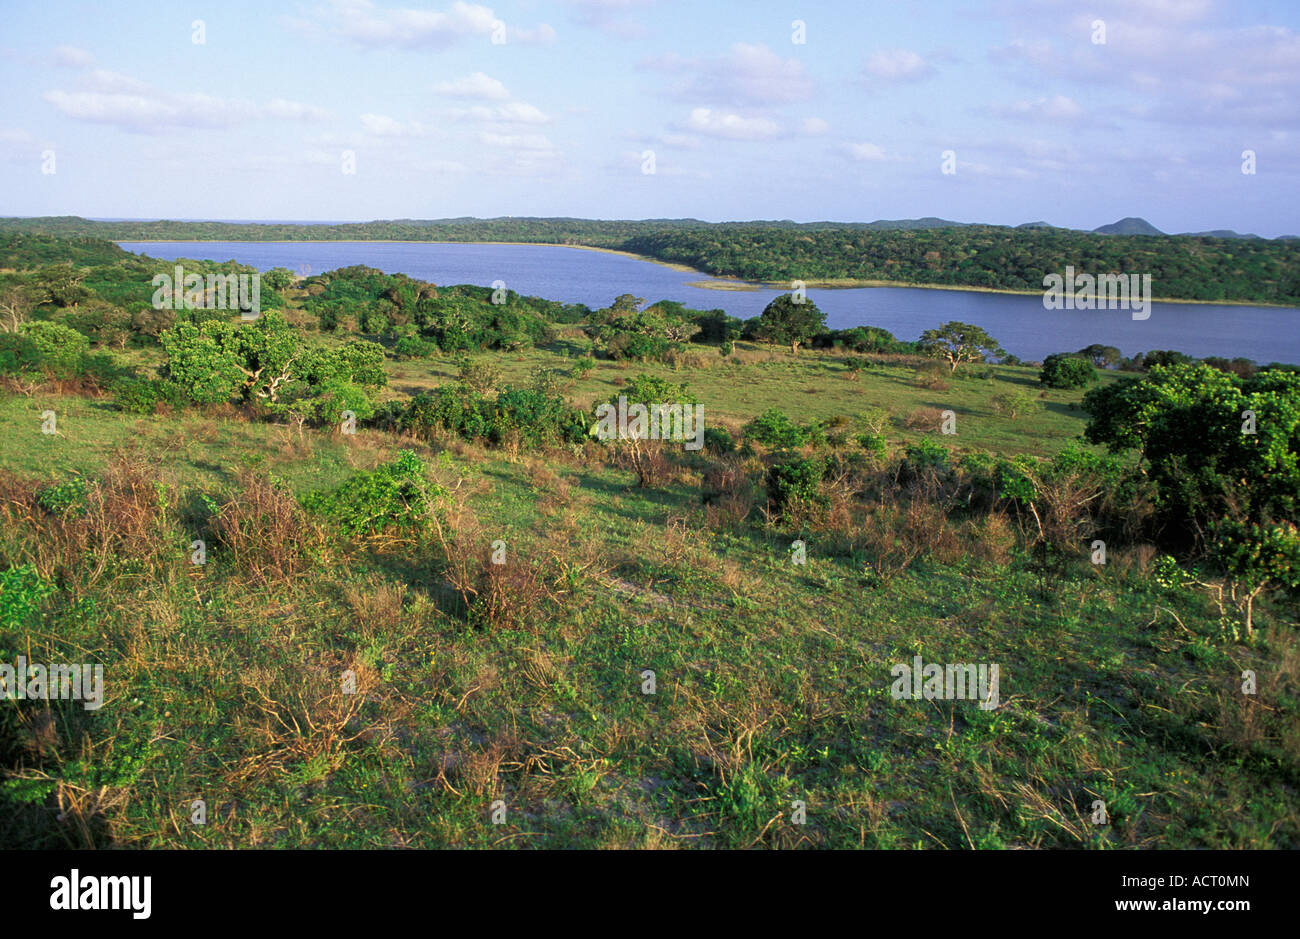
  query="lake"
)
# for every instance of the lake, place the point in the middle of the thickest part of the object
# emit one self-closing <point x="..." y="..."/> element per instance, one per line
<point x="575" y="275"/>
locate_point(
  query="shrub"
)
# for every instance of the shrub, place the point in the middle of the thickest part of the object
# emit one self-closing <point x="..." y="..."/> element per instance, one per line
<point x="57" y="347"/>
<point x="547" y="381"/>
<point x="874" y="445"/>
<point x="459" y="411"/>
<point x="1012" y="403"/>
<point x="1067" y="370"/>
<point x="1257" y="557"/>
<point x="933" y="377"/>
<point x="717" y="440"/>
<point x="479" y="375"/>
<point x="1186" y="421"/>
<point x="22" y="590"/>
<point x="1163" y="357"/>
<point x="926" y="455"/>
<point x="537" y="418"/>
<point x="415" y="347"/>
<point x="65" y="498"/>
<point x="394" y="495"/>
<point x="774" y="429"/>
<point x="795" y="479"/>
<point x="143" y="395"/>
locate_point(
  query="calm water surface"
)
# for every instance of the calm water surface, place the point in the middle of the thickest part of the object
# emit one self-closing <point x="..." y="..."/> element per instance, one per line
<point x="573" y="275"/>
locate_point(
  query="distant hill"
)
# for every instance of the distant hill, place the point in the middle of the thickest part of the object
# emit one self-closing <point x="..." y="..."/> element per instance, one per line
<point x="1217" y="233"/>
<point x="1129" y="226"/>
<point x="912" y="224"/>
<point x="1036" y="225"/>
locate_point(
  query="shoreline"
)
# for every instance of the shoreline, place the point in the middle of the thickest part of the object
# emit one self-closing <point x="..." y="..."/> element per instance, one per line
<point x="714" y="282"/>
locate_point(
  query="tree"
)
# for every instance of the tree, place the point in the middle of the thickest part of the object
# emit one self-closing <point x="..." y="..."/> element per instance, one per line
<point x="1066" y="370"/>
<point x="1208" y="458"/>
<point x="1012" y="403"/>
<point x="277" y="278"/>
<point x="788" y="321"/>
<point x="959" y="342"/>
<point x="1161" y="357"/>
<point x="717" y="326"/>
<point x="1256" y="558"/>
<point x="1101" y="356"/>
<point x="204" y="361"/>
<point x="15" y="303"/>
<point x="60" y="284"/>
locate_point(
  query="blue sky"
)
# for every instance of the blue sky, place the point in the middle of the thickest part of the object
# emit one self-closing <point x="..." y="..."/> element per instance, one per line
<point x="548" y="107"/>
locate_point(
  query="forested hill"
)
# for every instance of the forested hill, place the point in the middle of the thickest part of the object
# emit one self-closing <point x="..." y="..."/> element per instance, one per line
<point x="1001" y="258"/>
<point x="916" y="251"/>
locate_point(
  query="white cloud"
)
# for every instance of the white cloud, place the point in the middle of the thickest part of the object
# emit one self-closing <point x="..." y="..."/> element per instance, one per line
<point x="866" y="153"/>
<point x="748" y="75"/>
<point x="149" y="113"/>
<point x="283" y="109"/>
<point x="539" y="35"/>
<point x="610" y="17"/>
<point x="119" y="100"/>
<point x="383" y="126"/>
<point x="897" y="65"/>
<point x="477" y="85"/>
<point x="668" y="141"/>
<point x="1179" y="64"/>
<point x="731" y="126"/>
<point x="510" y="112"/>
<point x="367" y="24"/>
<point x="72" y="57"/>
<point x="515" y="141"/>
<point x="815" y="126"/>
<point x="1058" y="108"/>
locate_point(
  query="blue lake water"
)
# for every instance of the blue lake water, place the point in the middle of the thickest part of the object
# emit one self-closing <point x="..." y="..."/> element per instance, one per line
<point x="574" y="275"/>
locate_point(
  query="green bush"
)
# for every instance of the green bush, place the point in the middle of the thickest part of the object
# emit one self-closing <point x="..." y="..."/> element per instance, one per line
<point x="394" y="495"/>
<point x="774" y="429"/>
<point x="1186" y="421"/>
<point x="535" y="418"/>
<point x="415" y="347"/>
<point x="43" y="346"/>
<point x="143" y="395"/>
<point x="927" y="455"/>
<point x="717" y="440"/>
<point x="794" y="479"/>
<point x="1067" y="370"/>
<point x="874" y="445"/>
<point x="65" y="498"/>
<point x="455" y="410"/>
<point x="21" y="591"/>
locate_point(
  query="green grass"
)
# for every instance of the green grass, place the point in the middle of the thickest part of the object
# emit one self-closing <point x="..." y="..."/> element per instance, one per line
<point x="772" y="679"/>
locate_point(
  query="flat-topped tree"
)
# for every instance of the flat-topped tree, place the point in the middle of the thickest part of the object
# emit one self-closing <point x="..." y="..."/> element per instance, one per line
<point x="789" y="321"/>
<point x="959" y="342"/>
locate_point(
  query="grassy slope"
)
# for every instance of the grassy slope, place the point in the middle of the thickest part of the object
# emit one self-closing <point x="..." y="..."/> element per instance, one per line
<point x="772" y="678"/>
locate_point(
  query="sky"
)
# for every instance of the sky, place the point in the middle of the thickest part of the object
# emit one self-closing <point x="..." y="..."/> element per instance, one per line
<point x="996" y="111"/>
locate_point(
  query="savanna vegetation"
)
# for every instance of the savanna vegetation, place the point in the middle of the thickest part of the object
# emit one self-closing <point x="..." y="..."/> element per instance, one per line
<point x="361" y="573"/>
